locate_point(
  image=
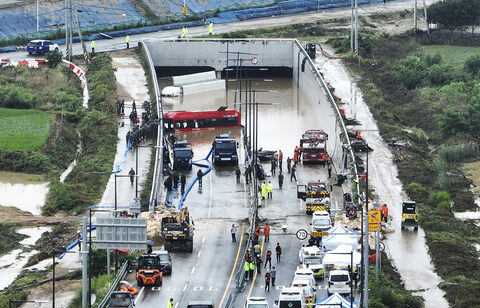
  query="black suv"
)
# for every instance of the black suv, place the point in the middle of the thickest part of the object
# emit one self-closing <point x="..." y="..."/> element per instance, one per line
<point x="165" y="261"/>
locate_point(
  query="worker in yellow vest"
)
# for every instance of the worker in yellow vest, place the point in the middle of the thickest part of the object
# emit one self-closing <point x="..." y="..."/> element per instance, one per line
<point x="127" y="40"/>
<point x="93" y="46"/>
<point x="210" y="28"/>
<point x="264" y="191"/>
<point x="269" y="190"/>
<point x="170" y="303"/>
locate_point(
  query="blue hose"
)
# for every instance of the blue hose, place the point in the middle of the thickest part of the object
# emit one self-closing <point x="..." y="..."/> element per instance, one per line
<point x="75" y="243"/>
<point x="196" y="163"/>
<point x="117" y="166"/>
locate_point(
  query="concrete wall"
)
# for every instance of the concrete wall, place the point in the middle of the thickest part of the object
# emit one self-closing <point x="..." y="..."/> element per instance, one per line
<point x="213" y="53"/>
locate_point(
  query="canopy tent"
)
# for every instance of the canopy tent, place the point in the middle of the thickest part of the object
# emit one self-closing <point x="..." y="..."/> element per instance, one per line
<point x="340" y="229"/>
<point x="341" y="256"/>
<point x="332" y="241"/>
<point x="334" y="300"/>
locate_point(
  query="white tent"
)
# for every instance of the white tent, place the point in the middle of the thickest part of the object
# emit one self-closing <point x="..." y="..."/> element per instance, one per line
<point x="332" y="241"/>
<point x="341" y="256"/>
<point x="333" y="299"/>
<point x="340" y="229"/>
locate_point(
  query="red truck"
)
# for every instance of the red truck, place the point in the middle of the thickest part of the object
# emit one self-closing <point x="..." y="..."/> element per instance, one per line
<point x="314" y="146"/>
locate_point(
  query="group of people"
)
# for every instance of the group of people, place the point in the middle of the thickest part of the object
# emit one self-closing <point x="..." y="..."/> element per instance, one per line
<point x="127" y="42"/>
<point x="210" y="29"/>
<point x="266" y="190"/>
<point x="174" y="179"/>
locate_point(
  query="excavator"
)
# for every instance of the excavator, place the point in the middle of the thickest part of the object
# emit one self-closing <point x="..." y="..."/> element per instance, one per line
<point x="178" y="232"/>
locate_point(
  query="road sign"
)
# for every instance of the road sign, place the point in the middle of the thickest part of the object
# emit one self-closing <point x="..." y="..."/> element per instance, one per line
<point x="254" y="61"/>
<point x="121" y="233"/>
<point x="351" y="212"/>
<point x="374" y="221"/>
<point x="319" y="234"/>
<point x="302" y="234"/>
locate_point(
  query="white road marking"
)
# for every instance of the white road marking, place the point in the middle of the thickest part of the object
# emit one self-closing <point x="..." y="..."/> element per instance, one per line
<point x="193" y="270"/>
<point x="199" y="253"/>
<point x="203" y="239"/>
<point x="139" y="294"/>
<point x="156" y="288"/>
<point x="185" y="287"/>
<point x="176" y="305"/>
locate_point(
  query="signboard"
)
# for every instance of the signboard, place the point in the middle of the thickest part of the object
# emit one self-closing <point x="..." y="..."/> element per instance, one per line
<point x="121" y="233"/>
<point x="351" y="212"/>
<point x="302" y="234"/>
<point x="184" y="11"/>
<point x="319" y="234"/>
<point x="374" y="221"/>
<point x="254" y="61"/>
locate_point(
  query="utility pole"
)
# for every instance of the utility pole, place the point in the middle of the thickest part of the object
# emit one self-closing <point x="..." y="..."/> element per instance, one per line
<point x="84" y="263"/>
<point x="67" y="55"/>
<point x="38" y="11"/>
<point x="356" y="27"/>
<point x="366" y="248"/>
<point x="415" y="16"/>
<point x="426" y="18"/>
<point x="85" y="52"/>
<point x="351" y="26"/>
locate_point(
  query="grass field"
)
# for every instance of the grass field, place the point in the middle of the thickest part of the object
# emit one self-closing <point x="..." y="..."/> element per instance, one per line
<point x="23" y="129"/>
<point x="453" y="55"/>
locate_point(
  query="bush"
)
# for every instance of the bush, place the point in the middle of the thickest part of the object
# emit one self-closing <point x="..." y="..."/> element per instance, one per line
<point x="437" y="197"/>
<point x="12" y="96"/>
<point x="54" y="58"/>
<point x="234" y="34"/>
<point x="410" y="71"/>
<point x="472" y="65"/>
<point x="417" y="192"/>
<point x="458" y="152"/>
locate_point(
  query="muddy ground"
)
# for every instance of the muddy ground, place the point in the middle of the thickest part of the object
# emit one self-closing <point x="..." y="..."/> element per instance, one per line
<point x="27" y="219"/>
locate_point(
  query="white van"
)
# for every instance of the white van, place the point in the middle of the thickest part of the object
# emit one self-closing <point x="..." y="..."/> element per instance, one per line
<point x="321" y="214"/>
<point x="291" y="298"/>
<point x="339" y="281"/>
<point x="309" y="290"/>
<point x="304" y="273"/>
<point x="256" y="302"/>
<point x="321" y="223"/>
<point x="312" y="257"/>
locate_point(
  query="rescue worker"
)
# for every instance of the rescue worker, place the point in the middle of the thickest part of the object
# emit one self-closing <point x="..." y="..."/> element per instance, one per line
<point x="237" y="174"/>
<point x="170" y="303"/>
<point x="132" y="175"/>
<point x="273" y="272"/>
<point x="210" y="28"/>
<point x="175" y="179"/>
<point x="123" y="107"/>
<point x="264" y="191"/>
<point x="280" y="159"/>
<point x="266" y="231"/>
<point x="258" y="262"/>
<point x="92" y="44"/>
<point x="183" y="180"/>
<point x="385" y="213"/>
<point x="247" y="255"/>
<point x="293" y="175"/>
<point x="275" y="304"/>
<point x="246" y="268"/>
<point x="329" y="171"/>
<point x="257" y="249"/>
<point x="233" y="231"/>
<point x="199" y="176"/>
<point x="289" y="164"/>
<point x="248" y="174"/>
<point x="257" y="231"/>
<point x="149" y="249"/>
<point x="79" y="240"/>
<point x="268" y="259"/>
<point x="274" y="166"/>
<point x="127" y="40"/>
<point x="280" y="180"/>
<point x="252" y="268"/>
<point x="267" y="281"/>
<point x="269" y="190"/>
<point x="278" y="250"/>
<point x="186" y="32"/>
<point x="295" y="155"/>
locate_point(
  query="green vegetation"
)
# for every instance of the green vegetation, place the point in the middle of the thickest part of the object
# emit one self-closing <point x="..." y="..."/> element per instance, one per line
<point x="455" y="14"/>
<point x="23" y="129"/>
<point x="452" y="55"/>
<point x="10" y="238"/>
<point x="100" y="286"/>
<point x="98" y="128"/>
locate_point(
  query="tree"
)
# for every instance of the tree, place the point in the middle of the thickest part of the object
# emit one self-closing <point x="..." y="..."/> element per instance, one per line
<point x="54" y="58"/>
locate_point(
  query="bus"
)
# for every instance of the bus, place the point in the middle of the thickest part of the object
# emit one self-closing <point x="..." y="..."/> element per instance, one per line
<point x="201" y="120"/>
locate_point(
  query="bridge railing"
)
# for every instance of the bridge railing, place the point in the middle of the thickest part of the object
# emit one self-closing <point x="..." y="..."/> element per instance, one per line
<point x="121" y="274"/>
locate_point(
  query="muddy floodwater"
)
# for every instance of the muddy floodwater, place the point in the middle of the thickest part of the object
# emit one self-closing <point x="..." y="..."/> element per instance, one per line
<point x="26" y="192"/>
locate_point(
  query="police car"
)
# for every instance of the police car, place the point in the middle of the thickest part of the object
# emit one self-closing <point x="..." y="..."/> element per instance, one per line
<point x="41" y="47"/>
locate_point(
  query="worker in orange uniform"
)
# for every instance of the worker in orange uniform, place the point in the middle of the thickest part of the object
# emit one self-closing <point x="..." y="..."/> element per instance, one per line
<point x="385" y="212"/>
<point x="266" y="231"/>
<point x="295" y="156"/>
<point x="257" y="231"/>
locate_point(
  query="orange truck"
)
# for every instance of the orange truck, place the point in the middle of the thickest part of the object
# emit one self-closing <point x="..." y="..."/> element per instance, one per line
<point x="314" y="146"/>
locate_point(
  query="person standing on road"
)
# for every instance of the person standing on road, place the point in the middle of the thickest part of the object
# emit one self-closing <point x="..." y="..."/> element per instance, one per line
<point x="175" y="179"/>
<point x="252" y="269"/>
<point x="278" y="250"/>
<point x="269" y="189"/>
<point x="280" y="180"/>
<point x="289" y="164"/>
<point x="273" y="272"/>
<point x="127" y="41"/>
<point x="92" y="44"/>
<point x="268" y="259"/>
<point x="210" y="28"/>
<point x="237" y="174"/>
<point x="264" y="191"/>
<point x="274" y="166"/>
<point x="267" y="281"/>
<point x="256" y="249"/>
<point x="258" y="262"/>
<point x="329" y="171"/>
<point x="134" y="106"/>
<point x="79" y="240"/>
<point x="199" y="176"/>
<point x="280" y="160"/>
<point x="233" y="231"/>
<point x="266" y="231"/>
<point x="131" y="173"/>
<point x="293" y="175"/>
<point x="275" y="305"/>
<point x="183" y="180"/>
<point x="248" y="175"/>
<point x="246" y="268"/>
<point x="170" y="303"/>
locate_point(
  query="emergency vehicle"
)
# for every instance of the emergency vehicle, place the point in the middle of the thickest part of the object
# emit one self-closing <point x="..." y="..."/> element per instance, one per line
<point x="316" y="196"/>
<point x="314" y="146"/>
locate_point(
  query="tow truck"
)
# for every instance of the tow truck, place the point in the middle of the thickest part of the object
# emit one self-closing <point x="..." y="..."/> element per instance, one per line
<point x="149" y="271"/>
<point x="316" y="196"/>
<point x="178" y="233"/>
<point x="314" y="146"/>
<point x="225" y="150"/>
<point x="182" y="155"/>
<point x="409" y="215"/>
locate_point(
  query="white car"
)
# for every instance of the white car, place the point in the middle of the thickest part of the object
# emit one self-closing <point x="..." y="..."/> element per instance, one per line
<point x="309" y="291"/>
<point x="304" y="273"/>
<point x="312" y="257"/>
<point x="321" y="214"/>
<point x="339" y="281"/>
<point x="321" y="223"/>
<point x="256" y="302"/>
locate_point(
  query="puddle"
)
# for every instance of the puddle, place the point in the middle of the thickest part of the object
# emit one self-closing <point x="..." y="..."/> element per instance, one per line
<point x="12" y="263"/>
<point x="26" y="192"/>
<point x="407" y="250"/>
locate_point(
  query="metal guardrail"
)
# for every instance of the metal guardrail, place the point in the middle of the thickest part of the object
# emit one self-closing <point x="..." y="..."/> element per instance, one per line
<point x="121" y="274"/>
<point x="158" y="170"/>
